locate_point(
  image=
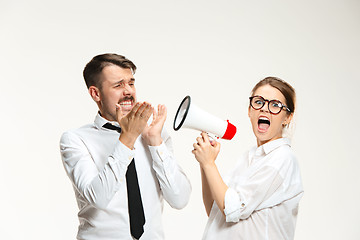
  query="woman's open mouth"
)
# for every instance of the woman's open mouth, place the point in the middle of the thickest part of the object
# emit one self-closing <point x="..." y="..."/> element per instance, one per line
<point x="263" y="124"/>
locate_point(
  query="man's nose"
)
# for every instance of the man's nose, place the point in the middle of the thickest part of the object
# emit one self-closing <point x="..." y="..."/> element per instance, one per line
<point x="128" y="89"/>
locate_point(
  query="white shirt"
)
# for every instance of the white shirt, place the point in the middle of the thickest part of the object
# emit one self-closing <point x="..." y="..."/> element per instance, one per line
<point x="263" y="196"/>
<point x="96" y="163"/>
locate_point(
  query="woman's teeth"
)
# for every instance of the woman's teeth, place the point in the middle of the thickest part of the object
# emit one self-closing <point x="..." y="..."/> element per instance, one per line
<point x="264" y="120"/>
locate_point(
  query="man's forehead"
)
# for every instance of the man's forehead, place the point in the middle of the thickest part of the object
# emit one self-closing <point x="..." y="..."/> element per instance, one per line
<point x="116" y="73"/>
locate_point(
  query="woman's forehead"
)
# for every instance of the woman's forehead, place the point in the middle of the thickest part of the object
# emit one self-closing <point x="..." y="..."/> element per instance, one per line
<point x="270" y="93"/>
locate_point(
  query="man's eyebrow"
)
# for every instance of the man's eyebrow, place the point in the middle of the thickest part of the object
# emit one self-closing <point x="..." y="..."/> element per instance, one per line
<point x="132" y="80"/>
<point x="122" y="80"/>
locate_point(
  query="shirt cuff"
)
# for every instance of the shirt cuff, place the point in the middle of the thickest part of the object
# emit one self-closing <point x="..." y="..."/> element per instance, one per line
<point x="233" y="205"/>
<point x="121" y="154"/>
<point x="159" y="153"/>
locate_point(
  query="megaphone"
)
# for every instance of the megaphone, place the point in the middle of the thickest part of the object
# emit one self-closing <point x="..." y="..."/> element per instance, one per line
<point x="190" y="116"/>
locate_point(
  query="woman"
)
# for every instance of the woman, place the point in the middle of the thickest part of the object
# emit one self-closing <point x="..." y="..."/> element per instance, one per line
<point x="259" y="199"/>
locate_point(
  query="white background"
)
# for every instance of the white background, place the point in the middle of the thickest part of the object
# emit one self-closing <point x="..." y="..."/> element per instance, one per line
<point x="214" y="51"/>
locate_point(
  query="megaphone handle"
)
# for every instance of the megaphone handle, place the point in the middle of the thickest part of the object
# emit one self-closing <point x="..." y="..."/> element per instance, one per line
<point x="212" y="137"/>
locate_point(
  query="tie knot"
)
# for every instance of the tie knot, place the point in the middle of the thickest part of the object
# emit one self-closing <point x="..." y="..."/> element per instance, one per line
<point x="112" y="127"/>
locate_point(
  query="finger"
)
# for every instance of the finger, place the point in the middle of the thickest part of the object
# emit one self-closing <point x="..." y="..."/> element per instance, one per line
<point x="134" y="109"/>
<point x="205" y="136"/>
<point x="146" y="112"/>
<point x="155" y="114"/>
<point x="162" y="111"/>
<point x="196" y="146"/>
<point x="200" y="140"/>
<point x="194" y="151"/>
<point x="149" y="111"/>
<point x="119" y="113"/>
<point x="140" y="110"/>
<point x="118" y="110"/>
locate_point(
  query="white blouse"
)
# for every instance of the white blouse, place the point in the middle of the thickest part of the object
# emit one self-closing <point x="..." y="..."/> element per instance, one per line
<point x="263" y="196"/>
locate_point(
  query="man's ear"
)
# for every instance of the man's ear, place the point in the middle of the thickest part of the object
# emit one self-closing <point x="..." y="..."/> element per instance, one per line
<point x="94" y="93"/>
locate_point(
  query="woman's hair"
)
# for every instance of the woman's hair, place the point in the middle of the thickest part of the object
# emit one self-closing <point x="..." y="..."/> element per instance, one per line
<point x="285" y="88"/>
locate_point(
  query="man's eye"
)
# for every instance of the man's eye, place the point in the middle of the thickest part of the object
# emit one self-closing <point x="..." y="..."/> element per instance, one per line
<point x="120" y="85"/>
<point x="258" y="102"/>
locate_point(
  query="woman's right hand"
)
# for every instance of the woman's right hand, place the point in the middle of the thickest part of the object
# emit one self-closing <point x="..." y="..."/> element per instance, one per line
<point x="206" y="150"/>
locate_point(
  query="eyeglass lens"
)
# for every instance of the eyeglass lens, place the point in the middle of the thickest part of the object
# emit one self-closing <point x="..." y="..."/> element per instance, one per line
<point x="274" y="106"/>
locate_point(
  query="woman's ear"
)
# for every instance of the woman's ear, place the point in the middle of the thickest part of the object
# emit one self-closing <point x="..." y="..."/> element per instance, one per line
<point x="288" y="120"/>
<point x="94" y="93"/>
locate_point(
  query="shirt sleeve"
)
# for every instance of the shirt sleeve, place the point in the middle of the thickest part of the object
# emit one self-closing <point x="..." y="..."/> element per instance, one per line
<point x="242" y="199"/>
<point x="174" y="184"/>
<point x="96" y="187"/>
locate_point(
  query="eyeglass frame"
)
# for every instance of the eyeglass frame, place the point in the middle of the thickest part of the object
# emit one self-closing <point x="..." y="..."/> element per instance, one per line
<point x="266" y="100"/>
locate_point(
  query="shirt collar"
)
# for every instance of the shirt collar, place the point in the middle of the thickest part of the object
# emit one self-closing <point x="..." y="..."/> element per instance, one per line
<point x="100" y="121"/>
<point x="272" y="145"/>
<point x="266" y="148"/>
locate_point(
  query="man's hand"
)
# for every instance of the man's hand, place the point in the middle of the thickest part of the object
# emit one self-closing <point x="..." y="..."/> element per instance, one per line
<point x="152" y="133"/>
<point x="133" y="124"/>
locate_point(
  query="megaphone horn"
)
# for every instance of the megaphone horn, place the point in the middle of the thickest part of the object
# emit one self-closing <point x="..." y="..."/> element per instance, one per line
<point x="190" y="116"/>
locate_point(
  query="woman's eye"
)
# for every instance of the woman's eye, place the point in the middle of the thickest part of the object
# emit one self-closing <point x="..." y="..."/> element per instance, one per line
<point x="276" y="104"/>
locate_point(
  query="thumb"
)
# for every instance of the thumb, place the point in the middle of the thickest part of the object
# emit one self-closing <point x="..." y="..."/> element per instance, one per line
<point x="217" y="146"/>
<point x="155" y="114"/>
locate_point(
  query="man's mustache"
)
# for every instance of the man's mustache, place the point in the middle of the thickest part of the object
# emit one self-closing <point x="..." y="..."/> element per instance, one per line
<point x="131" y="98"/>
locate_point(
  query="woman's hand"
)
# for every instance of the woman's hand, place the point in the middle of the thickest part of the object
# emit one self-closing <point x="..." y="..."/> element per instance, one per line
<point x="206" y="151"/>
<point x="213" y="186"/>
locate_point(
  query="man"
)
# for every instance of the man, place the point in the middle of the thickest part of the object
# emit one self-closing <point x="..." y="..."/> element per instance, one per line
<point x="99" y="158"/>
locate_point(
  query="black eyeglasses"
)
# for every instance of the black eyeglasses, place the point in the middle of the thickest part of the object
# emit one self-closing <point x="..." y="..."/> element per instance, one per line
<point x="274" y="106"/>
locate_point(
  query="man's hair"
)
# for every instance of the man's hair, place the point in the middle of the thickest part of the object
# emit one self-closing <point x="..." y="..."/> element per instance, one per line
<point x="94" y="68"/>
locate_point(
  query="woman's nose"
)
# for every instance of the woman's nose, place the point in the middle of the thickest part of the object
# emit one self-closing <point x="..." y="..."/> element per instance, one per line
<point x="265" y="108"/>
